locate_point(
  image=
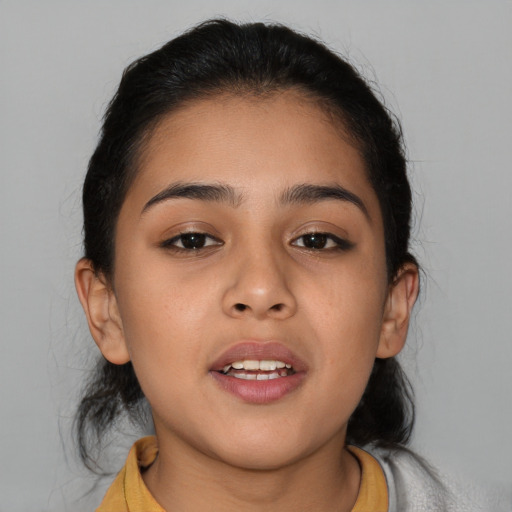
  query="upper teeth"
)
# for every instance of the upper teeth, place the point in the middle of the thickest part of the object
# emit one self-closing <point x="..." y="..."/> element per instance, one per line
<point x="252" y="364"/>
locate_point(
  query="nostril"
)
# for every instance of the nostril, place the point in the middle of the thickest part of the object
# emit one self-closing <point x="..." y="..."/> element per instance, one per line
<point x="239" y="307"/>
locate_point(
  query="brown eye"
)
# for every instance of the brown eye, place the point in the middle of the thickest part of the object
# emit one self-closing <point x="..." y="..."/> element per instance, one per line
<point x="315" y="241"/>
<point x="321" y="241"/>
<point x="191" y="241"/>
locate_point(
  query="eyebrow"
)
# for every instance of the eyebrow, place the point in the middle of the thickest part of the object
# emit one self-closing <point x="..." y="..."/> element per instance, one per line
<point x="308" y="193"/>
<point x="298" y="194"/>
<point x="204" y="192"/>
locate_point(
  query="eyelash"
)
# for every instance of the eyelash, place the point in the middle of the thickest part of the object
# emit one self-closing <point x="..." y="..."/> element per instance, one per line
<point x="335" y="242"/>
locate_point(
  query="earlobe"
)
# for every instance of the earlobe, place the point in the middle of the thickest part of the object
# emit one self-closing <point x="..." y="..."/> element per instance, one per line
<point x="100" y="307"/>
<point x="402" y="295"/>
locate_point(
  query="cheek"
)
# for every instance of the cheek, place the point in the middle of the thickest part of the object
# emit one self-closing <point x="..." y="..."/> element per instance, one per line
<point x="345" y="313"/>
<point x="162" y="315"/>
<point x="348" y="303"/>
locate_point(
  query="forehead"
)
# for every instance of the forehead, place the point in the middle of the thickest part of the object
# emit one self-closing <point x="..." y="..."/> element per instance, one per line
<point x="255" y="144"/>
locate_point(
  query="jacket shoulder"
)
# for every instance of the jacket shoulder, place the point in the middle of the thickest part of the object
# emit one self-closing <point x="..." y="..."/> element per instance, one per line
<point x="414" y="485"/>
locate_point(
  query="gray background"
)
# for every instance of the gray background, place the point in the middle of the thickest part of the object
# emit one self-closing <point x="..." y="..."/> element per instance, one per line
<point x="444" y="67"/>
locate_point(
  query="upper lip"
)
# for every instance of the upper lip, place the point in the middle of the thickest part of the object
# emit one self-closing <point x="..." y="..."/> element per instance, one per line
<point x="258" y="350"/>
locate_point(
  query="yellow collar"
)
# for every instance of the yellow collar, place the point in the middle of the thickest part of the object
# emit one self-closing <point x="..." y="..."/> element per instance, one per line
<point x="128" y="493"/>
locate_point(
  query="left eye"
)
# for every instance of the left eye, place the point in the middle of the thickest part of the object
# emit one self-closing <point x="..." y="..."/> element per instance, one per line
<point x="191" y="241"/>
<point x="319" y="241"/>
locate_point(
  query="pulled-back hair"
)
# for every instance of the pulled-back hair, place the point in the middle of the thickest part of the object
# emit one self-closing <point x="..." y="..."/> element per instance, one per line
<point x="219" y="57"/>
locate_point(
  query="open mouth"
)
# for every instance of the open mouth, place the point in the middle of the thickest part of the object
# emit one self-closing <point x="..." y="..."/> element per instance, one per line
<point x="258" y="372"/>
<point x="253" y="369"/>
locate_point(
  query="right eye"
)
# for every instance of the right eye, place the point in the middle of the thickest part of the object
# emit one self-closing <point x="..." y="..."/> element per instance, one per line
<point x="191" y="241"/>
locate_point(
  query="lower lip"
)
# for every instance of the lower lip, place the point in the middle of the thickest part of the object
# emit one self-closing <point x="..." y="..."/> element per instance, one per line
<point x="259" y="391"/>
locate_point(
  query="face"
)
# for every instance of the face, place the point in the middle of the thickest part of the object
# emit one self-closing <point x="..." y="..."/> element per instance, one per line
<point x="251" y="234"/>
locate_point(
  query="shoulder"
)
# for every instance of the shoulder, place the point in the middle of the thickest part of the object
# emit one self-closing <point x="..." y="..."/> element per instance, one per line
<point x="128" y="491"/>
<point x="415" y="486"/>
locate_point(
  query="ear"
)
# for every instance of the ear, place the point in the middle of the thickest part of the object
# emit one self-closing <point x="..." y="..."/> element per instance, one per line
<point x="401" y="297"/>
<point x="100" y="306"/>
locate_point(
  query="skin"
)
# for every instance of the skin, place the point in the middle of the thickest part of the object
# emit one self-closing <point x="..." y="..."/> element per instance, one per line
<point x="172" y="312"/>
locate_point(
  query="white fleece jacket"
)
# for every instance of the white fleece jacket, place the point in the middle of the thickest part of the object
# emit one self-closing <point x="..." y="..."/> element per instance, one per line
<point x="414" y="486"/>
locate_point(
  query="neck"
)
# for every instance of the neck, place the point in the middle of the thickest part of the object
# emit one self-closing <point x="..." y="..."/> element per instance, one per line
<point x="182" y="479"/>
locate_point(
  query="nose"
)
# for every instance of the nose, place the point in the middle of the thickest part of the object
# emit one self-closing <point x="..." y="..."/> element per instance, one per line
<point x="258" y="287"/>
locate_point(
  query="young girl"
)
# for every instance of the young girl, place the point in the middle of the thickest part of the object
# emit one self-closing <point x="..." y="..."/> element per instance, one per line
<point x="246" y="271"/>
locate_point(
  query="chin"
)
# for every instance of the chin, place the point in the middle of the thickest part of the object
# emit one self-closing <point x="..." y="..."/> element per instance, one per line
<point x="263" y="460"/>
<point x="261" y="452"/>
